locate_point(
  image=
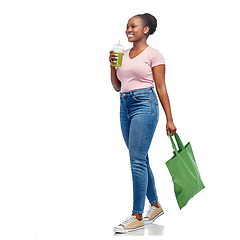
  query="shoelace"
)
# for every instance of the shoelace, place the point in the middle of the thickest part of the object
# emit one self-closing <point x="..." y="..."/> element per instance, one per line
<point x="150" y="211"/>
<point x="128" y="221"/>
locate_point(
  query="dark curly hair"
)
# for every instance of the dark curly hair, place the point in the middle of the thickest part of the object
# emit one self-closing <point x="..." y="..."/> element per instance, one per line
<point x="149" y="21"/>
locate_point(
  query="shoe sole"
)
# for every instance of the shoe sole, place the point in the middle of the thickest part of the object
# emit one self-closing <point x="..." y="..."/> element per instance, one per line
<point x="116" y="230"/>
<point x="152" y="220"/>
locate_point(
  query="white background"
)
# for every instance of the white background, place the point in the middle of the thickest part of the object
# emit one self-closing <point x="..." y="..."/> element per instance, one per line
<point x="64" y="168"/>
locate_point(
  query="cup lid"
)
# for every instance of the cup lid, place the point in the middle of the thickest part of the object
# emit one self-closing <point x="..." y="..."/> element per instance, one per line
<point x="117" y="48"/>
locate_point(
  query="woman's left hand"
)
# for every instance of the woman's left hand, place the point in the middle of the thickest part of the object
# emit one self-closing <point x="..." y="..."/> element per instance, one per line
<point x="171" y="127"/>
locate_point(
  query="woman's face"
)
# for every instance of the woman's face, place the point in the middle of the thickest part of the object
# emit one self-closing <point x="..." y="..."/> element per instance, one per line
<point x="135" y="29"/>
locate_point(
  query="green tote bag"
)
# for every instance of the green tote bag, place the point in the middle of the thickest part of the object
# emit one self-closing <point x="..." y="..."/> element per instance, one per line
<point x="184" y="171"/>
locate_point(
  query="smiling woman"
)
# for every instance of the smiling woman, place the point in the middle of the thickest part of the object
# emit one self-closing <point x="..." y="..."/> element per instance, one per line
<point x="142" y="66"/>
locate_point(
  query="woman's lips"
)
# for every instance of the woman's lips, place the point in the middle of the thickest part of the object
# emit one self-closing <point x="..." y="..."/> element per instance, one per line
<point x="129" y="35"/>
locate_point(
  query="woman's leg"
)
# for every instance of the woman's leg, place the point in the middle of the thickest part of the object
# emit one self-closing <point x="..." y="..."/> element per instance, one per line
<point x="142" y="128"/>
<point x="151" y="189"/>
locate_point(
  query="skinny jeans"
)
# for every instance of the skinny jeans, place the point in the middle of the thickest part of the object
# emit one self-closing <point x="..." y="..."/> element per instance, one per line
<point x="139" y="114"/>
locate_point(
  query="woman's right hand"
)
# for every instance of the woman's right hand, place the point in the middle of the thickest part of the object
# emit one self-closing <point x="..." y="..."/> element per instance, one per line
<point x="112" y="57"/>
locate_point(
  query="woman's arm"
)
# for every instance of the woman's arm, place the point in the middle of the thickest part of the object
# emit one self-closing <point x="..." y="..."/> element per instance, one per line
<point x="115" y="81"/>
<point x="159" y="78"/>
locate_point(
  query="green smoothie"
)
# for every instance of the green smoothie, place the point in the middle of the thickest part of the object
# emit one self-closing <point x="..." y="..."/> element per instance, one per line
<point x="118" y="62"/>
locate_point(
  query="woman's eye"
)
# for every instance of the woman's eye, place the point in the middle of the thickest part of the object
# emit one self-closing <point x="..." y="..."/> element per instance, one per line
<point x="131" y="26"/>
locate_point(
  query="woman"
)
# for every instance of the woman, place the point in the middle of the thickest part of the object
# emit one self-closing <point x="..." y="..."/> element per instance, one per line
<point x="142" y="66"/>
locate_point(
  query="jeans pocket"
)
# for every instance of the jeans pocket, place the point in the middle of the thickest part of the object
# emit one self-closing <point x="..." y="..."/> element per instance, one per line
<point x="141" y="97"/>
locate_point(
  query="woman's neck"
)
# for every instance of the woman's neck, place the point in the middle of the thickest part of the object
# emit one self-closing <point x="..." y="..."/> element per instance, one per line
<point x="139" y="46"/>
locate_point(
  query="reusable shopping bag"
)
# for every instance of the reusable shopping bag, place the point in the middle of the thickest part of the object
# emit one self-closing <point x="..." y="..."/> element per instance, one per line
<point x="184" y="171"/>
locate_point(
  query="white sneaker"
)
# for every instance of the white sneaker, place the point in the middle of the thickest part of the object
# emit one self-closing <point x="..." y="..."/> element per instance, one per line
<point x="152" y="214"/>
<point x="129" y="225"/>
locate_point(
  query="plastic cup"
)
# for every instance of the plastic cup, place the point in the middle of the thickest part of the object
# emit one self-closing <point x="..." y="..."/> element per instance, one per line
<point x="118" y="50"/>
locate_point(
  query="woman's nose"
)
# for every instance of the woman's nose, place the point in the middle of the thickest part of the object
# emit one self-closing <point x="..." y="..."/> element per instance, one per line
<point x="129" y="30"/>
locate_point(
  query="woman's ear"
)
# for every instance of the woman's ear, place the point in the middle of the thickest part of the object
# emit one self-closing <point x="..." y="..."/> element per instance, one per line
<point x="146" y="30"/>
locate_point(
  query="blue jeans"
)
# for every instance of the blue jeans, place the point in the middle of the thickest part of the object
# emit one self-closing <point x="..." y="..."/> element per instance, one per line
<point x="139" y="113"/>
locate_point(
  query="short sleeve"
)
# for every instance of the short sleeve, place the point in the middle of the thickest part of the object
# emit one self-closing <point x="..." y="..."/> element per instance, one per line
<point x="156" y="58"/>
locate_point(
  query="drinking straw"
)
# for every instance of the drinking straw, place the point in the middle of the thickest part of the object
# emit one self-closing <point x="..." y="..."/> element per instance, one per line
<point x="118" y="45"/>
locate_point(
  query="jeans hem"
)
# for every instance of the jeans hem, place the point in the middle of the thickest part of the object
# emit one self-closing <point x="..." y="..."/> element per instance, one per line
<point x="153" y="202"/>
<point x="137" y="212"/>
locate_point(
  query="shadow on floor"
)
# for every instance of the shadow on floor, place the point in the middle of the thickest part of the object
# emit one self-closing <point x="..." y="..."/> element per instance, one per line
<point x="150" y="230"/>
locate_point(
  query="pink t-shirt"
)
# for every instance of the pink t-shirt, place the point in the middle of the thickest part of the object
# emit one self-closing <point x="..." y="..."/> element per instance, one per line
<point x="137" y="73"/>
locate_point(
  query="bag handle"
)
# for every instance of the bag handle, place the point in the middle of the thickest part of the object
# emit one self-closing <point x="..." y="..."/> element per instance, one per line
<point x="173" y="144"/>
<point x="179" y="142"/>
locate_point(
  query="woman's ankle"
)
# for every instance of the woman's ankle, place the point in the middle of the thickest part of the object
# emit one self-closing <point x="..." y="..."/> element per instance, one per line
<point x="138" y="216"/>
<point x="157" y="205"/>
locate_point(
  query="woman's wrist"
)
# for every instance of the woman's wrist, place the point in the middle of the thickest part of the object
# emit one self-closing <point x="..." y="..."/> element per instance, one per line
<point x="170" y="120"/>
<point x="112" y="67"/>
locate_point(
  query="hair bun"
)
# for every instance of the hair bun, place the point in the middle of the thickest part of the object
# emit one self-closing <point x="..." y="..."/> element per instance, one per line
<point x="150" y="21"/>
<point x="153" y="22"/>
